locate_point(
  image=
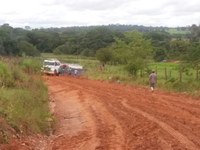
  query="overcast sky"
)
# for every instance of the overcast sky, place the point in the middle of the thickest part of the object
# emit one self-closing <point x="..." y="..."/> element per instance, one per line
<point x="63" y="13"/>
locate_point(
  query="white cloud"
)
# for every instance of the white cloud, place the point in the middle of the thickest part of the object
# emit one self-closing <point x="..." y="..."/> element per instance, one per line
<point x="57" y="13"/>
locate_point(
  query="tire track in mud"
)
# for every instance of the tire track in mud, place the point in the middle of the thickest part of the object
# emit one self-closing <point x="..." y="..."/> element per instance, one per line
<point x="160" y="114"/>
<point x="177" y="135"/>
<point x="107" y="130"/>
<point x="176" y="118"/>
<point x="192" y="118"/>
<point x="102" y="96"/>
<point x="127" y="108"/>
<point x="74" y="129"/>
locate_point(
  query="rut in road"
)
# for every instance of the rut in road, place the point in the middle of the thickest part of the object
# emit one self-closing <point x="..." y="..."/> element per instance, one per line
<point x="78" y="116"/>
<point x="101" y="115"/>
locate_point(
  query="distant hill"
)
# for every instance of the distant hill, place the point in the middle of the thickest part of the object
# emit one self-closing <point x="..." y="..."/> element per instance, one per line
<point x="124" y="28"/>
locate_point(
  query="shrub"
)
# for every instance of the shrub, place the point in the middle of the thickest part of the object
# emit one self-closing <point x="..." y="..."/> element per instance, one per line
<point x="24" y="112"/>
<point x="5" y="75"/>
<point x="104" y="55"/>
<point x="31" y="66"/>
<point x="28" y="49"/>
<point x="132" y="68"/>
<point x="24" y="98"/>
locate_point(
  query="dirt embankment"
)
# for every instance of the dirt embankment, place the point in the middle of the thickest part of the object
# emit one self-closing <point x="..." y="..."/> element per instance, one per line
<point x="94" y="115"/>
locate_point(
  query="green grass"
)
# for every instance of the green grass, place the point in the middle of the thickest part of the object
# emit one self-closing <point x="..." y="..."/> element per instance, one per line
<point x="31" y="66"/>
<point x="168" y="73"/>
<point x="169" y="77"/>
<point x="25" y="110"/>
<point x="24" y="96"/>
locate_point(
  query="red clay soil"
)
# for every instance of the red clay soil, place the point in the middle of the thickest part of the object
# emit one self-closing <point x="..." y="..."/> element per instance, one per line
<point x="98" y="115"/>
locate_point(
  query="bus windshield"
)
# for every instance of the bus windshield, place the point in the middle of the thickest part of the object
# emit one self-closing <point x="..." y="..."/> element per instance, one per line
<point x="49" y="63"/>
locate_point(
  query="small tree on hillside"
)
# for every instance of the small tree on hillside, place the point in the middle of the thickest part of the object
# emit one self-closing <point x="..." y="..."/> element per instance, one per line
<point x="104" y="55"/>
<point x="134" y="51"/>
<point x="178" y="48"/>
<point x="28" y="49"/>
<point x="193" y="55"/>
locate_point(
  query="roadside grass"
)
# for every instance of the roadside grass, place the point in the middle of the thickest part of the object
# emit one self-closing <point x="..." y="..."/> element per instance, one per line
<point x="24" y="96"/>
<point x="31" y="66"/>
<point x="174" y="76"/>
<point x="25" y="109"/>
<point x="168" y="73"/>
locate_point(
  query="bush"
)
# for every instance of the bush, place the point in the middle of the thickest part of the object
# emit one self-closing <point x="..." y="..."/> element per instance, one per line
<point x="24" y="98"/>
<point x="6" y="79"/>
<point x="21" y="80"/>
<point x="104" y="55"/>
<point x="132" y="68"/>
<point x="28" y="49"/>
<point x="57" y="51"/>
<point x="24" y="112"/>
<point x="31" y="66"/>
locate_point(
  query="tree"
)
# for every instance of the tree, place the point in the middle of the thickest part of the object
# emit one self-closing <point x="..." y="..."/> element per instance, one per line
<point x="104" y="55"/>
<point x="8" y="41"/>
<point x="98" y="38"/>
<point x="134" y="51"/>
<point x="193" y="55"/>
<point x="28" y="49"/>
<point x="2" y="49"/>
<point x="195" y="33"/>
<point x="44" y="41"/>
<point x="178" y="48"/>
<point x="160" y="41"/>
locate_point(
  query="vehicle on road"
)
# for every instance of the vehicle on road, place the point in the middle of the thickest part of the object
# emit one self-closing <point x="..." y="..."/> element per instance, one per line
<point x="51" y="66"/>
<point x="71" y="69"/>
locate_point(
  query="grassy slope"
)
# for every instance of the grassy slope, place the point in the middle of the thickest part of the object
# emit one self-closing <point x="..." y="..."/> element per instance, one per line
<point x="23" y="97"/>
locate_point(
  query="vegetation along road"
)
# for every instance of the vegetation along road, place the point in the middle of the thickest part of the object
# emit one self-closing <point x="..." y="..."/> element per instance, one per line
<point x="100" y="115"/>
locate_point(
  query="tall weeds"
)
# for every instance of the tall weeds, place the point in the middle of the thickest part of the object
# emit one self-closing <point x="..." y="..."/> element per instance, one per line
<point x="23" y="96"/>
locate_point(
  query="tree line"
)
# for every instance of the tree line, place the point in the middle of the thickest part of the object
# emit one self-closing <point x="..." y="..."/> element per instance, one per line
<point x="160" y="43"/>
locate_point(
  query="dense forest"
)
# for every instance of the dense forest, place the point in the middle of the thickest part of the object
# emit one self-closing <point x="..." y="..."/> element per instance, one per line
<point x="181" y="43"/>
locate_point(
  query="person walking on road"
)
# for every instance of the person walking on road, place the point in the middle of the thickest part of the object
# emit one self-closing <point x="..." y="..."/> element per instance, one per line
<point x="152" y="80"/>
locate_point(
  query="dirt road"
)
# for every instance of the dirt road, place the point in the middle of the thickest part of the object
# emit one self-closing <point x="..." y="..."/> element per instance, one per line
<point x="95" y="115"/>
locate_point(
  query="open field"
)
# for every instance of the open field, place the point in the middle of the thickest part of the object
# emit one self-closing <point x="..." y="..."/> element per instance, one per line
<point x="168" y="73"/>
